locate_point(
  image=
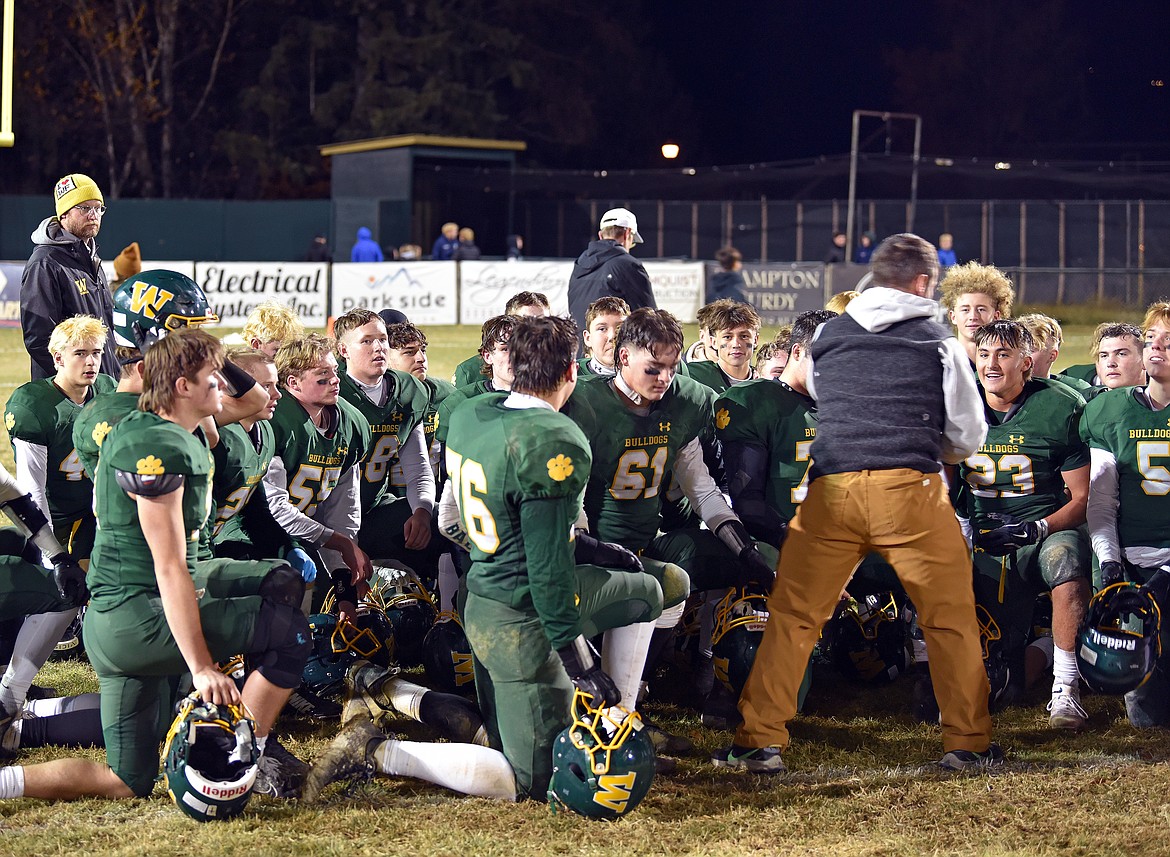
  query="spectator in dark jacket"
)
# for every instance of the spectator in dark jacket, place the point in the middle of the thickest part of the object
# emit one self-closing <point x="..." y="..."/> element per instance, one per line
<point x="319" y="250"/>
<point x="365" y="249"/>
<point x="445" y="244"/>
<point x="607" y="268"/>
<point x="728" y="281"/>
<point x="466" y="249"/>
<point x="63" y="276"/>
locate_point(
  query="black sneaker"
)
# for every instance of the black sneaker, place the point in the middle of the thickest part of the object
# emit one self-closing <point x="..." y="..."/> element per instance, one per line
<point x="304" y="703"/>
<point x="281" y="773"/>
<point x="758" y="760"/>
<point x="720" y="709"/>
<point x="969" y="760"/>
<point x="349" y="755"/>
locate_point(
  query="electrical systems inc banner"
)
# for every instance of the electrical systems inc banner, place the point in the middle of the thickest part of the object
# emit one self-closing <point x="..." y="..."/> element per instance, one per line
<point x="236" y="288"/>
<point x="424" y="291"/>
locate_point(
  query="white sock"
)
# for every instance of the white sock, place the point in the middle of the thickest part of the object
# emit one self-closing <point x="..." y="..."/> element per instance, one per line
<point x="1064" y="668"/>
<point x="38" y="635"/>
<point x="12" y="782"/>
<point x="448" y="582"/>
<point x="464" y="768"/>
<point x="670" y="616"/>
<point x="261" y="743"/>
<point x="623" y="657"/>
<point x="62" y="704"/>
<point x="405" y="696"/>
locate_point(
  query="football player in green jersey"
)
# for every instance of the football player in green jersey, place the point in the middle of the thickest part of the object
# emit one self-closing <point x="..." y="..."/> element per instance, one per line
<point x="39" y="417"/>
<point x="1049" y="336"/>
<point x="473" y="369"/>
<point x="153" y="478"/>
<point x="975" y="295"/>
<point x="1119" y="356"/>
<point x="493" y="350"/>
<point x="517" y="469"/>
<point x="313" y="484"/>
<point x="772" y="357"/>
<point x="394" y="403"/>
<point x="734" y="331"/>
<point x="602" y="321"/>
<point x="1027" y="489"/>
<point x="1128" y="432"/>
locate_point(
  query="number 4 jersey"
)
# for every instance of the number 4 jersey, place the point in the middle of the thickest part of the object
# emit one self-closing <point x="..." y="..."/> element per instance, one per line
<point x="1018" y="469"/>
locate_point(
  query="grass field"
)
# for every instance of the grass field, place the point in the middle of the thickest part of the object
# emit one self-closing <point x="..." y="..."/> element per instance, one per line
<point x="861" y="781"/>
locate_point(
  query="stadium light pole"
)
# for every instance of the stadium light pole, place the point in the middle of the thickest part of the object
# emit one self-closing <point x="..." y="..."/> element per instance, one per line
<point x="7" y="138"/>
<point x="854" y="145"/>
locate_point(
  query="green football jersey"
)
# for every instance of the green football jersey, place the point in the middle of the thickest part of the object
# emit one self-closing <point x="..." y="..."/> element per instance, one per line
<point x="39" y="413"/>
<point x="240" y="465"/>
<point x="455" y="398"/>
<point x="633" y="455"/>
<point x="439" y="390"/>
<point x="469" y="371"/>
<point x="1017" y="470"/>
<point x="774" y="416"/>
<point x="143" y="443"/>
<point x="314" y="462"/>
<point x="94" y="422"/>
<point x="390" y="425"/>
<point x="1138" y="438"/>
<point x="501" y="460"/>
<point x="709" y="374"/>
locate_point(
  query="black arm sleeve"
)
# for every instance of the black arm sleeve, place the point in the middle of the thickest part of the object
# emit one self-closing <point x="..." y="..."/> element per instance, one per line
<point x="747" y="470"/>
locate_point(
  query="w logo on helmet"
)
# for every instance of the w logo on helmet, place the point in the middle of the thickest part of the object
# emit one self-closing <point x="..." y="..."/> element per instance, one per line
<point x="148" y="299"/>
<point x="614" y="790"/>
<point x="464" y="670"/>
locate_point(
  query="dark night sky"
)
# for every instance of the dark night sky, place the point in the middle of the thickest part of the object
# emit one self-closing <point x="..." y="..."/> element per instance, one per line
<point x="779" y="79"/>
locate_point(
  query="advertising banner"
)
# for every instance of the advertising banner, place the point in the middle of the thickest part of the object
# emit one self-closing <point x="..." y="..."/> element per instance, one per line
<point x="236" y="288"/>
<point x="781" y="292"/>
<point x="10" y="293"/>
<point x="484" y="287"/>
<point x="678" y="287"/>
<point x="424" y="291"/>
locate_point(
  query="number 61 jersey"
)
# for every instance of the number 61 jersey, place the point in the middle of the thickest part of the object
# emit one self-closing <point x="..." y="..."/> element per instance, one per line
<point x="1138" y="439"/>
<point x="634" y="453"/>
<point x="1017" y="470"/>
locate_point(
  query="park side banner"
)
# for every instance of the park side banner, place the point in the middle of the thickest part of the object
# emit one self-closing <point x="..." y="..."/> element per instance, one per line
<point x="781" y="292"/>
<point x="234" y="289"/>
<point x="424" y="291"/>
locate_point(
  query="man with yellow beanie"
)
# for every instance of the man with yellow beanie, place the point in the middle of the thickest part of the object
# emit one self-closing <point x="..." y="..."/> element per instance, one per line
<point x="63" y="276"/>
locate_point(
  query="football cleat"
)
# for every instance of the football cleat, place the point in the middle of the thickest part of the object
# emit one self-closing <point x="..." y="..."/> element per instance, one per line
<point x="281" y="773"/>
<point x="304" y="703"/>
<point x="969" y="760"/>
<point x="349" y="755"/>
<point x="1064" y="709"/>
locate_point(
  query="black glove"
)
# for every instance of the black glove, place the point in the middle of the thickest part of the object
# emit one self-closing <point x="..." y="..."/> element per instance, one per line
<point x="591" y="551"/>
<point x="1111" y="572"/>
<point x="581" y="664"/>
<point x="755" y="571"/>
<point x="1158" y="585"/>
<point x="1005" y="533"/>
<point x="70" y="580"/>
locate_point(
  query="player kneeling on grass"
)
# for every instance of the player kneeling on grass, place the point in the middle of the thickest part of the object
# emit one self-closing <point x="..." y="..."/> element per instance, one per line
<point x="518" y="469"/>
<point x="154" y="477"/>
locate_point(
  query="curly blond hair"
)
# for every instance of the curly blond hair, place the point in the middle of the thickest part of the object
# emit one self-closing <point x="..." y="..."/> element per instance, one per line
<point x="972" y="278"/>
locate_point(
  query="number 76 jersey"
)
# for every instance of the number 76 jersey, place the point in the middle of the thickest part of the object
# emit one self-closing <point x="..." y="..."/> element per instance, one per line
<point x="1018" y="469"/>
<point x="1138" y="439"/>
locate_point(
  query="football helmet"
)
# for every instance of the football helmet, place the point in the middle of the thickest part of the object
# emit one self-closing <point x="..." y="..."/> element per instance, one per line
<point x="336" y="645"/>
<point x="602" y="768"/>
<point x="410" y="610"/>
<point x="740" y="619"/>
<point x="995" y="659"/>
<point x="210" y="759"/>
<point x="150" y="304"/>
<point x="1119" y="643"/>
<point x="869" y="639"/>
<point x="447" y="655"/>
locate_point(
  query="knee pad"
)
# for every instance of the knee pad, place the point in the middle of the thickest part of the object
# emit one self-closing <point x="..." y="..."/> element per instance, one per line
<point x="676" y="585"/>
<point x="283" y="585"/>
<point x="1062" y="561"/>
<point x="281" y="644"/>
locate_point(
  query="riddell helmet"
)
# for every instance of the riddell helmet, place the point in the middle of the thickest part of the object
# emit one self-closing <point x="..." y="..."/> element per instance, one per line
<point x="210" y="759"/>
<point x="149" y="305"/>
<point x="995" y="659"/>
<point x="869" y="639"/>
<point x="447" y="656"/>
<point x="336" y="645"/>
<point x="740" y="619"/>
<point x="1118" y="642"/>
<point x="601" y="768"/>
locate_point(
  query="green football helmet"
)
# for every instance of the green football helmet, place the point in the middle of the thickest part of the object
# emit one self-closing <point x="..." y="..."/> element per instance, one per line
<point x="447" y="656"/>
<point x="602" y="768"/>
<point x="337" y="646"/>
<point x="740" y="619"/>
<point x="210" y="759"/>
<point x="869" y="638"/>
<point x="410" y="610"/>
<point x="149" y="305"/>
<point x="1119" y="642"/>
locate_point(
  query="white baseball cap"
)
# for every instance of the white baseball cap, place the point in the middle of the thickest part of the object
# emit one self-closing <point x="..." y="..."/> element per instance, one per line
<point x="621" y="217"/>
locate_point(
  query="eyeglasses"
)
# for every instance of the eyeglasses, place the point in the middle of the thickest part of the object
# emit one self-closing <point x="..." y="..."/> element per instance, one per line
<point x="91" y="210"/>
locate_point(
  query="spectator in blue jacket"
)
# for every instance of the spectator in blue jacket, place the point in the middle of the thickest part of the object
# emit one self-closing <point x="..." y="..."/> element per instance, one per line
<point x="365" y="249"/>
<point x="446" y="244"/>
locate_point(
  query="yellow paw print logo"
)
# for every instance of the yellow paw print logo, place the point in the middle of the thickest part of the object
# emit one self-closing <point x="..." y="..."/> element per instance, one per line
<point x="560" y="468"/>
<point x="10" y="420"/>
<point x="722" y="418"/>
<point x="100" y="431"/>
<point x="150" y="466"/>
